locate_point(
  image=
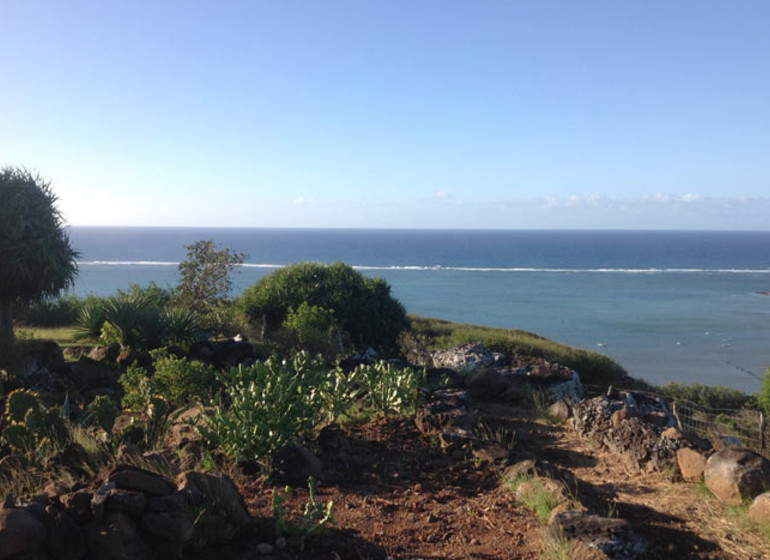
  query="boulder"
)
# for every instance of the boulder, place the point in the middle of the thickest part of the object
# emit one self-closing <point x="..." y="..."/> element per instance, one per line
<point x="559" y="410"/>
<point x="116" y="537"/>
<point x="759" y="512"/>
<point x="105" y="353"/>
<point x="446" y="410"/>
<point x="735" y="474"/>
<point x="691" y="463"/>
<point x="465" y="358"/>
<point x="173" y="530"/>
<point x="220" y="510"/>
<point x="611" y="536"/>
<point x="130" y="356"/>
<point x="293" y="464"/>
<point x="181" y="432"/>
<point x="21" y="534"/>
<point x="140" y="480"/>
<point x="128" y="502"/>
<point x="64" y="539"/>
<point x="487" y="384"/>
<point x="78" y="505"/>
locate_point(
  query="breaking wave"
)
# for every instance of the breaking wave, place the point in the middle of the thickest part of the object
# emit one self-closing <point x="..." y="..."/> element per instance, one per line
<point x="431" y="268"/>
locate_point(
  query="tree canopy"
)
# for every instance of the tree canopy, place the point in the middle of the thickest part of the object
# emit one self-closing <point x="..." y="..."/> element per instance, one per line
<point x="36" y="259"/>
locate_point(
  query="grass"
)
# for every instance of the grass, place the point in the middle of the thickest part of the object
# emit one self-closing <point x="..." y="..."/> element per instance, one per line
<point x="538" y="499"/>
<point x="593" y="368"/>
<point x="63" y="336"/>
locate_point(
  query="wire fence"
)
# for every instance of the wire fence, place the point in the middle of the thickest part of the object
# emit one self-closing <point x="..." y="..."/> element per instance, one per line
<point x="722" y="427"/>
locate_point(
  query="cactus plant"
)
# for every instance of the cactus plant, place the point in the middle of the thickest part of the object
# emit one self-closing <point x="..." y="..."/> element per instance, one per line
<point x="19" y="437"/>
<point x="19" y="403"/>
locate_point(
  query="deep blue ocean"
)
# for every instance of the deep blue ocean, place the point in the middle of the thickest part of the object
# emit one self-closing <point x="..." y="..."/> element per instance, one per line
<point x="669" y="306"/>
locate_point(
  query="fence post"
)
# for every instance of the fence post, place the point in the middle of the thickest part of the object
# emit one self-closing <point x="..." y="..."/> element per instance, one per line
<point x="761" y="433"/>
<point x="675" y="412"/>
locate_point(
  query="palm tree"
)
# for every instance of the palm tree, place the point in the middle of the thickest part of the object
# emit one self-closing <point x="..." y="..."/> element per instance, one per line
<point x="36" y="258"/>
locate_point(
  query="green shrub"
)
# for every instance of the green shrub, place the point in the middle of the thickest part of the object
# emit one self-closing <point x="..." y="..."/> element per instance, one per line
<point x="707" y="396"/>
<point x="52" y="312"/>
<point x="136" y="322"/>
<point x="181" y="381"/>
<point x="764" y="392"/>
<point x="264" y="407"/>
<point x="386" y="388"/>
<point x="313" y="329"/>
<point x="363" y="308"/>
<point x="137" y="390"/>
<point x="314" y="519"/>
<point x="177" y="381"/>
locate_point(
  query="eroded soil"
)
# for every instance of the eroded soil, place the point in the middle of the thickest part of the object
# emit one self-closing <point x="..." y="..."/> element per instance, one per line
<point x="398" y="495"/>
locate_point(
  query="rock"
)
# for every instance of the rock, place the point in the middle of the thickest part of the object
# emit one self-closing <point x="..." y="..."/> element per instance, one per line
<point x="559" y="410"/>
<point x="64" y="540"/>
<point x="526" y="469"/>
<point x="445" y="411"/>
<point x="181" y="431"/>
<point x="74" y="353"/>
<point x="487" y="384"/>
<point x="465" y="358"/>
<point x="164" y="504"/>
<point x="140" y="358"/>
<point x="21" y="534"/>
<point x="567" y="506"/>
<point x="105" y="353"/>
<point x="735" y="474"/>
<point x="222" y="511"/>
<point x="175" y="528"/>
<point x="489" y="451"/>
<point x="128" y="452"/>
<point x="613" y="537"/>
<point x="48" y="354"/>
<point x="116" y="537"/>
<point x="691" y="463"/>
<point x="759" y="512"/>
<point x="230" y="353"/>
<point x="293" y="464"/>
<point x="78" y="505"/>
<point x="133" y="478"/>
<point x="128" y="502"/>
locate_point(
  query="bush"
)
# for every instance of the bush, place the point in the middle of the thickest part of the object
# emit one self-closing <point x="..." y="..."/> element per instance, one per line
<point x="136" y="321"/>
<point x="363" y="308"/>
<point x="264" y="407"/>
<point x="764" y="392"/>
<point x="176" y="380"/>
<point x="313" y="329"/>
<point x="52" y="312"/>
<point x="387" y="388"/>
<point x="707" y="396"/>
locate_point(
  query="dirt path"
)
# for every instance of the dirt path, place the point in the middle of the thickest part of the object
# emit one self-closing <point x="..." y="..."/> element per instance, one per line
<point x="676" y="519"/>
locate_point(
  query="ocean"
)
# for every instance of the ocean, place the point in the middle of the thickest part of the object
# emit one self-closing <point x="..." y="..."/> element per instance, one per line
<point x="668" y="306"/>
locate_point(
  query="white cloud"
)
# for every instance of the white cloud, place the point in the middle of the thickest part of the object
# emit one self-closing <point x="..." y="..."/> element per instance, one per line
<point x="300" y="200"/>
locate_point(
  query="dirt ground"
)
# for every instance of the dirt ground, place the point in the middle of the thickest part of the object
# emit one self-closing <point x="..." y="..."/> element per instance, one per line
<point x="397" y="495"/>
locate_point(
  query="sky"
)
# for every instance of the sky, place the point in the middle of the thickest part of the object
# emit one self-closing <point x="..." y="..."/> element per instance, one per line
<point x="554" y="114"/>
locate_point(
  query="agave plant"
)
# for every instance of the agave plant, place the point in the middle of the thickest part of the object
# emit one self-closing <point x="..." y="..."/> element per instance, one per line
<point x="91" y="320"/>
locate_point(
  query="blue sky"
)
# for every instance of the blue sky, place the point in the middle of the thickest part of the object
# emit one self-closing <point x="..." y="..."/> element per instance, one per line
<point x="440" y="114"/>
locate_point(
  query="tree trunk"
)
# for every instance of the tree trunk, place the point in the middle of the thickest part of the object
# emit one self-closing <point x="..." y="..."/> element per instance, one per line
<point x="6" y="321"/>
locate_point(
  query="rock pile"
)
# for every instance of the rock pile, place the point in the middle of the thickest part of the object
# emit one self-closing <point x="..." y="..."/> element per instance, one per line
<point x="491" y="375"/>
<point x="636" y="426"/>
<point x="135" y="514"/>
